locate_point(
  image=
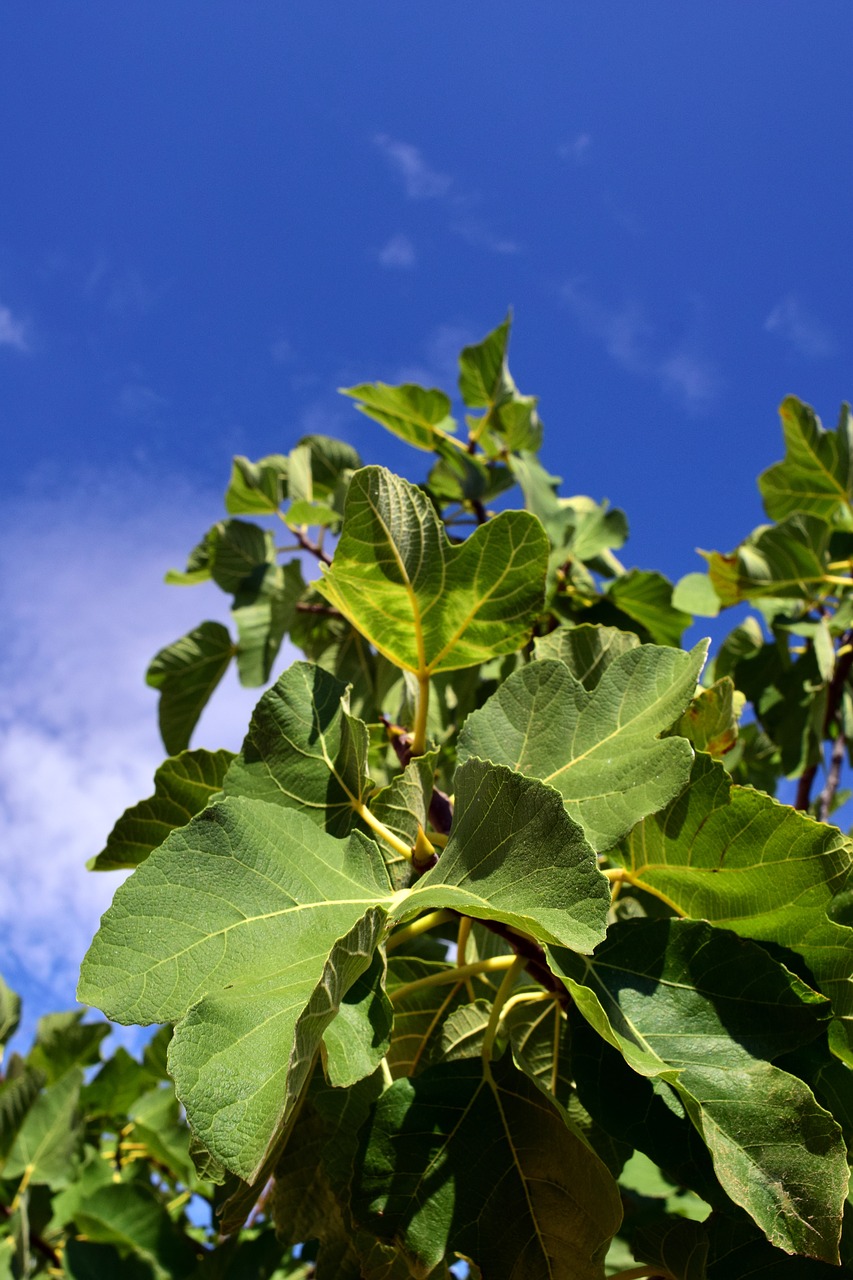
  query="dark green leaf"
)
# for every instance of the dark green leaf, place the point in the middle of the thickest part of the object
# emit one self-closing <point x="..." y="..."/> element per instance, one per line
<point x="130" y="1218"/>
<point x="647" y="598"/>
<point x="63" y="1041"/>
<point x="183" y="785"/>
<point x="186" y="673"/>
<point x="263" y="611"/>
<point x="479" y="1162"/>
<point x="47" y="1144"/>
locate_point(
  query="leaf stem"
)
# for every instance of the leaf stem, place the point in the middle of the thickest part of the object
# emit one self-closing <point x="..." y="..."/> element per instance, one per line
<point x="835" y="693"/>
<point x="418" y="747"/>
<point x="461" y="949"/>
<point x="430" y="921"/>
<point x="509" y="980"/>
<point x="457" y="974"/>
<point x="398" y="845"/>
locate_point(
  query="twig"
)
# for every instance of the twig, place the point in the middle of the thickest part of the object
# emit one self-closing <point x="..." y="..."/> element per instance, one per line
<point x="325" y="609"/>
<point x="307" y="545"/>
<point x="46" y="1250"/>
<point x="836" y="761"/>
<point x="834" y="695"/>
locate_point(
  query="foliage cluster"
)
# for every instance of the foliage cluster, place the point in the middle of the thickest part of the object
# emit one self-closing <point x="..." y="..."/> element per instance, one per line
<point x="493" y="942"/>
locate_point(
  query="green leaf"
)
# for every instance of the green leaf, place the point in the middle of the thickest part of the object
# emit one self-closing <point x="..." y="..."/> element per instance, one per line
<point x="10" y="1014"/>
<point x="129" y="1217"/>
<point x="485" y="382"/>
<point x="515" y="855"/>
<point x="784" y="561"/>
<point x="678" y="1246"/>
<point x="740" y="859"/>
<point x="186" y="673"/>
<point x="263" y="612"/>
<point x="304" y="750"/>
<point x="738" y="1252"/>
<point x="256" y="923"/>
<point x="239" y="554"/>
<point x="330" y="461"/>
<point x="599" y="749"/>
<point x="256" y="488"/>
<point x="711" y="720"/>
<point x="198" y="567"/>
<point x="64" y="1041"/>
<point x="426" y="604"/>
<point x="670" y="994"/>
<point x="183" y="785"/>
<point x="586" y="650"/>
<point x="115" y="1088"/>
<point x="419" y="1012"/>
<point x="17" y="1095"/>
<point x="541" y="1046"/>
<point x="47" y="1144"/>
<point x="420" y="417"/>
<point x="358" y="1039"/>
<point x="817" y="474"/>
<point x="695" y="594"/>
<point x="647" y="598"/>
<point x="478" y="1162"/>
<point x="156" y="1121"/>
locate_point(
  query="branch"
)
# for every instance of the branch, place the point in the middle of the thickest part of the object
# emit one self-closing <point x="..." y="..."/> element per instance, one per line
<point x="824" y="806"/>
<point x="834" y="695"/>
<point x="537" y="965"/>
<point x="46" y="1250"/>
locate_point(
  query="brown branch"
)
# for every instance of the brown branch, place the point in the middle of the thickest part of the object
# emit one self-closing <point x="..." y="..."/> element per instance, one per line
<point x="307" y="545"/>
<point x="534" y="955"/>
<point x="834" y="695"/>
<point x="325" y="609"/>
<point x="836" y="761"/>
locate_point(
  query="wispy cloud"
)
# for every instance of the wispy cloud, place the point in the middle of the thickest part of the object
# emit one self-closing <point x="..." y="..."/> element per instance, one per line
<point x="790" y="321"/>
<point x="13" y="332"/>
<point x="577" y="149"/>
<point x="283" y="351"/>
<point x="479" y="235"/>
<point x="78" y="736"/>
<point x="398" y="252"/>
<point x="140" y="402"/>
<point x="419" y="180"/>
<point x="683" y="371"/>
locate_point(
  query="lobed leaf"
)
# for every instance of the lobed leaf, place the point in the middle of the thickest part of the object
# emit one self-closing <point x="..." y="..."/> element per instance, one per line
<point x="816" y="476"/>
<point x="599" y="749"/>
<point x="425" y="604"/>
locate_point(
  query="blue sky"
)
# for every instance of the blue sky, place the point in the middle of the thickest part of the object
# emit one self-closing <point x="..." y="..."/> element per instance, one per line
<point x="215" y="213"/>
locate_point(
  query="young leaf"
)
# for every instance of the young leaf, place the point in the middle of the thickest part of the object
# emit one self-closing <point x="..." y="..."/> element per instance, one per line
<point x="734" y="856"/>
<point x="186" y="673"/>
<point x="420" y="417"/>
<point x="711" y="720"/>
<point x="485" y="382"/>
<point x="183" y="785"/>
<point x="257" y="488"/>
<point x="599" y="749"/>
<point x="426" y="604"/>
<point x="816" y="476"/>
<point x="477" y="1161"/>
<point x="671" y="996"/>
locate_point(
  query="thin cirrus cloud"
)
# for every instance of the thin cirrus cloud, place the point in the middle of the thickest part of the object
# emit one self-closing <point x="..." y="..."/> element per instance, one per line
<point x="420" y="182"/>
<point x="13" y="332"/>
<point x="78" y="726"/>
<point x="791" y="322"/>
<point x="683" y="372"/>
<point x="398" y="253"/>
<point x="577" y="149"/>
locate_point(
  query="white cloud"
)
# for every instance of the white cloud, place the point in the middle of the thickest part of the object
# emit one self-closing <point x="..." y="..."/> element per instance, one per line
<point x="141" y="402"/>
<point x="83" y="608"/>
<point x="809" y="338"/>
<point x="419" y="180"/>
<point x="398" y="252"/>
<point x="577" y="149"/>
<point x="476" y="233"/>
<point x="13" y="333"/>
<point x="683" y="371"/>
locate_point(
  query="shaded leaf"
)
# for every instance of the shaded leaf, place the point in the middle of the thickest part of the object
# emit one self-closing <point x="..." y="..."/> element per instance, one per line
<point x="63" y="1041"/>
<point x="477" y="1161"/>
<point x="10" y="1013"/>
<point x="647" y="598"/>
<point x="263" y="612"/>
<point x="671" y="996"/>
<point x="734" y="856"/>
<point x="183" y="785"/>
<point x="186" y="673"/>
<point x="239" y="553"/>
<point x="129" y="1217"/>
<point x="304" y="750"/>
<point x="711" y="720"/>
<point x="419" y="1013"/>
<point x="426" y="604"/>
<point x="17" y="1095"/>
<point x="356" y="1041"/>
<point x="599" y="749"/>
<point x="47" y="1143"/>
<point x="786" y="561"/>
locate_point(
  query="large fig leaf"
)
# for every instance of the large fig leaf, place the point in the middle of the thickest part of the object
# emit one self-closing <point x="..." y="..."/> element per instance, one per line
<point x="599" y="749"/>
<point x="248" y="927"/>
<point x="478" y="1161"/>
<point x="736" y="857"/>
<point x="426" y="604"/>
<point x="689" y="1005"/>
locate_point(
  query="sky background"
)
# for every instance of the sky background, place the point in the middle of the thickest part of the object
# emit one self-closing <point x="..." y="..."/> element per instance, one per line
<point x="214" y="214"/>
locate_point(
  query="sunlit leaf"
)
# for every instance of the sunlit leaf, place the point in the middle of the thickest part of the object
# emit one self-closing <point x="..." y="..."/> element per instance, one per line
<point x="711" y="720"/>
<point x="420" y="417"/>
<point x="816" y="476"/>
<point x="426" y="604"/>
<point x="586" y="650"/>
<point x="787" y="560"/>
<point x="257" y="488"/>
<point x="599" y="749"/>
